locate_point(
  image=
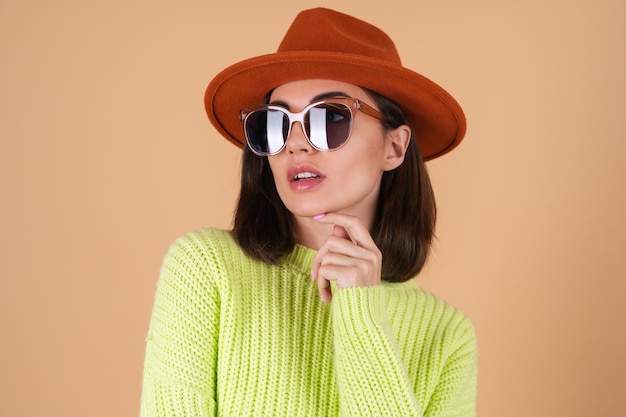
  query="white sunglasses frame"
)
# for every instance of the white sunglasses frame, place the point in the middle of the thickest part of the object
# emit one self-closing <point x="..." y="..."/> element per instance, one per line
<point x="352" y="104"/>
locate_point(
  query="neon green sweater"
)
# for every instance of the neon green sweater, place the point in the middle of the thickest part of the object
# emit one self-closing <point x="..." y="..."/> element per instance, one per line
<point x="231" y="336"/>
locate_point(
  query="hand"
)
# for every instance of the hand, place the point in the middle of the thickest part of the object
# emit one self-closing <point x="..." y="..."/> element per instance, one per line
<point x="349" y="256"/>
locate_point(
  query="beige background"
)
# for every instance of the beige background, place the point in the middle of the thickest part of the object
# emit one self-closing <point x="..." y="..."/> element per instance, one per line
<point x="106" y="157"/>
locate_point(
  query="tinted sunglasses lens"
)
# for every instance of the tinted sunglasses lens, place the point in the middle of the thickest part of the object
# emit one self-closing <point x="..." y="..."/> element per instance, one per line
<point x="328" y="125"/>
<point x="266" y="131"/>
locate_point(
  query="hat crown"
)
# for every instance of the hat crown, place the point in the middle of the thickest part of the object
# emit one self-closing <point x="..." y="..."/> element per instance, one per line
<point x="326" y="30"/>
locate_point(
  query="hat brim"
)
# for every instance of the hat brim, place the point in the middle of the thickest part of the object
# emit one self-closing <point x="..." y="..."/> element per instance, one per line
<point x="434" y="115"/>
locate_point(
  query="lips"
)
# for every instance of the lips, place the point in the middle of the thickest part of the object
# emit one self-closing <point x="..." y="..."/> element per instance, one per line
<point x="303" y="172"/>
<point x="304" y="177"/>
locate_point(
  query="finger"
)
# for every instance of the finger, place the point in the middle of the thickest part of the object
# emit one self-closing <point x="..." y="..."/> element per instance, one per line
<point x="340" y="259"/>
<point x="348" y="272"/>
<point x="323" y="286"/>
<point x="352" y="226"/>
<point x="339" y="231"/>
<point x="339" y="245"/>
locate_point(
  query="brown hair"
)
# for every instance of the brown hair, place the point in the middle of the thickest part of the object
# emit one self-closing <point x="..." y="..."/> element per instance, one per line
<point x="405" y="219"/>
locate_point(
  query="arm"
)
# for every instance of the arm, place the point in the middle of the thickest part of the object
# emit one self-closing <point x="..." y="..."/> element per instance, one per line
<point x="372" y="380"/>
<point x="455" y="393"/>
<point x="373" y="374"/>
<point x="181" y="350"/>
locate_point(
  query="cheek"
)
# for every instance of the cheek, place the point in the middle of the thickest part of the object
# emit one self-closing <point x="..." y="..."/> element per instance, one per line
<point x="279" y="179"/>
<point x="367" y="153"/>
<point x="274" y="167"/>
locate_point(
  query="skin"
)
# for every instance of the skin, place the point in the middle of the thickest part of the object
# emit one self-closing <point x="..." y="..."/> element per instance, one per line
<point x="334" y="212"/>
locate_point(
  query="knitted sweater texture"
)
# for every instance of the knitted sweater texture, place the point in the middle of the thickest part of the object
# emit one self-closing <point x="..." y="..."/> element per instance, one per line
<point x="231" y="336"/>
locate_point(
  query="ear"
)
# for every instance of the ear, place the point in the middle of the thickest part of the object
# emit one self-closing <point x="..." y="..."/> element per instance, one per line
<point x="397" y="143"/>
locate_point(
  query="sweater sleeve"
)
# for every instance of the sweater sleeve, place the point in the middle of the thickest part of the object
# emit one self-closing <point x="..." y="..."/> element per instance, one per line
<point x="372" y="378"/>
<point x="181" y="349"/>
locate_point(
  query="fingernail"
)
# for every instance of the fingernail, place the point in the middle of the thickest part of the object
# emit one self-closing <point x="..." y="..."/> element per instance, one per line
<point x="319" y="216"/>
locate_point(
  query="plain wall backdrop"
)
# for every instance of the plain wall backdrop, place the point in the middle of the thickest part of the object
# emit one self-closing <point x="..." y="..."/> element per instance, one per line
<point x="106" y="156"/>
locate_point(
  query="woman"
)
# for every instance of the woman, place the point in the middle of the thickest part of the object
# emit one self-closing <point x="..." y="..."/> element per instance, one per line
<point x="307" y="307"/>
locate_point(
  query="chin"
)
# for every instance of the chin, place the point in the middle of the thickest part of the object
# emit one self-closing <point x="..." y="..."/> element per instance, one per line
<point x="306" y="210"/>
<point x="310" y="212"/>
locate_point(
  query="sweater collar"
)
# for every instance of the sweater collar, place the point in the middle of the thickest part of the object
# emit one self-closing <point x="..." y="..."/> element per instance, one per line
<point x="301" y="258"/>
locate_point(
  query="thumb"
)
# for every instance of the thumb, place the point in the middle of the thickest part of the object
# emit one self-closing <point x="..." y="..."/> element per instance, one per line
<point x="340" y="232"/>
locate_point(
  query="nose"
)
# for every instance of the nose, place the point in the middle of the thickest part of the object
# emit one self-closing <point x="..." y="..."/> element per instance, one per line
<point x="297" y="141"/>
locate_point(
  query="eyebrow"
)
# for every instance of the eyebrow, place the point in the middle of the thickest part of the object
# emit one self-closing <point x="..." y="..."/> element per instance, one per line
<point x="322" y="96"/>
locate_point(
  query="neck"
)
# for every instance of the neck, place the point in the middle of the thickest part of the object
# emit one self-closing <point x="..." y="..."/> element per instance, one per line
<point x="310" y="233"/>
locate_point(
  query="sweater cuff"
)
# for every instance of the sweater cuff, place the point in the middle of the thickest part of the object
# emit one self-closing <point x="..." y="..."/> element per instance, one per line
<point x="359" y="309"/>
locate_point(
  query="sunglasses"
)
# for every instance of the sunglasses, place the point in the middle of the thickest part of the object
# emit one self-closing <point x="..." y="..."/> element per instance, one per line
<point x="327" y="124"/>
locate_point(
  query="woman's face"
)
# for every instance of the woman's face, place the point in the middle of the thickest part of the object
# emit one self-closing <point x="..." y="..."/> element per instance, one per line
<point x="346" y="180"/>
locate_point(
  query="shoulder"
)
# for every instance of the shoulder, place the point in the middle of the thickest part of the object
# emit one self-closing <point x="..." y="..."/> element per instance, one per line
<point x="208" y="247"/>
<point x="202" y="255"/>
<point x="204" y="240"/>
<point x="428" y="312"/>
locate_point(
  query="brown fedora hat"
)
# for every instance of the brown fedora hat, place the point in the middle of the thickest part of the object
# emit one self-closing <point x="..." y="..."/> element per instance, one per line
<point x="325" y="44"/>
